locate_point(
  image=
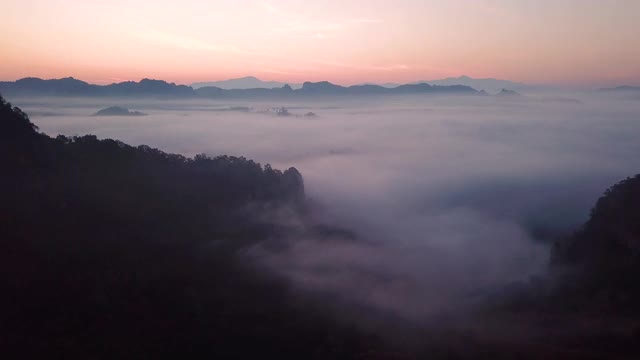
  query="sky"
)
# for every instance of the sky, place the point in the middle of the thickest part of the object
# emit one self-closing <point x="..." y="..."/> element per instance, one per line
<point x="562" y="42"/>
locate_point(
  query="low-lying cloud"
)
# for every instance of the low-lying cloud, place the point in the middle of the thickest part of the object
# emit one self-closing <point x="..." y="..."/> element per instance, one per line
<point x="448" y="196"/>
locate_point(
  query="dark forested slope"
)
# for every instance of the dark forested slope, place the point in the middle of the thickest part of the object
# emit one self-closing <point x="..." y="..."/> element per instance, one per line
<point x="586" y="305"/>
<point x="601" y="261"/>
<point x="114" y="251"/>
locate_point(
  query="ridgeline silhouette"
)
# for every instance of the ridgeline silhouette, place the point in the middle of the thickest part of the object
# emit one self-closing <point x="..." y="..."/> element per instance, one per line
<point x="74" y="87"/>
<point x="162" y="89"/>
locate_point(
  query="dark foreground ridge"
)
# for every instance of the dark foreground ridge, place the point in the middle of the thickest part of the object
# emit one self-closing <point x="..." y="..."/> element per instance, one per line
<point x="113" y="251"/>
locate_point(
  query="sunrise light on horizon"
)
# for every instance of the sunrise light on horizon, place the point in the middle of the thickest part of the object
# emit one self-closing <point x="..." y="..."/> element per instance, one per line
<point x="569" y="42"/>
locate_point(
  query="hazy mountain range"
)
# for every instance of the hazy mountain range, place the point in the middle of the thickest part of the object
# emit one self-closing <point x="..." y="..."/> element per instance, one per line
<point x="489" y="85"/>
<point x="234" y="88"/>
<point x="162" y="89"/>
<point x="251" y="87"/>
<point x="74" y="87"/>
<point x="247" y="82"/>
<point x="251" y="82"/>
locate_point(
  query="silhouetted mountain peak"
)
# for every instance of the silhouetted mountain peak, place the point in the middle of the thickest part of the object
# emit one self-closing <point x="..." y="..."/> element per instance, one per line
<point x="146" y="87"/>
<point x="36" y="80"/>
<point x="292" y="179"/>
<point x="321" y="86"/>
<point x="155" y="82"/>
<point x="308" y="84"/>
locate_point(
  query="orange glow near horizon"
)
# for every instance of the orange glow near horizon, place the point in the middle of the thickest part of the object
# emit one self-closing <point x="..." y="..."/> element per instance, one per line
<point x="568" y="42"/>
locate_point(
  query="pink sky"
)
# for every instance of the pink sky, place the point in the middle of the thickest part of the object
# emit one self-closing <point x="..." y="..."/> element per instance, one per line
<point x="572" y="42"/>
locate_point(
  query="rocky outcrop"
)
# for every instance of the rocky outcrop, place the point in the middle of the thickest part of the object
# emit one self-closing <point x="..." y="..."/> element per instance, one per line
<point x="294" y="183"/>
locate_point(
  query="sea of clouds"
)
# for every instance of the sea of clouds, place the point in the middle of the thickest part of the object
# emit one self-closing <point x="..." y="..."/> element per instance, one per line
<point x="448" y="194"/>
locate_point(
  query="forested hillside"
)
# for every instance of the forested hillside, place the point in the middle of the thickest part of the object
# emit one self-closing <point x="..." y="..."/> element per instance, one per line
<point x="114" y="251"/>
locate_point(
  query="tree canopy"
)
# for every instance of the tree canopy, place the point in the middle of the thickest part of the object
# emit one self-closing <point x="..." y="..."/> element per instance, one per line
<point x="114" y="251"/>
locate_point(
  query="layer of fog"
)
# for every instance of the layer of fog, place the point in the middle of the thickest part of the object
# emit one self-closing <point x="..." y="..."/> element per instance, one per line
<point x="451" y="195"/>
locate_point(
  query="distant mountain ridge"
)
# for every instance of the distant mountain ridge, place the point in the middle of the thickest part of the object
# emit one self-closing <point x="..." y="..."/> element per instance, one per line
<point x="325" y="88"/>
<point x="487" y="84"/>
<point x="74" y="87"/>
<point x="490" y="85"/>
<point x="247" y="82"/>
<point x="162" y="89"/>
<point x="69" y="86"/>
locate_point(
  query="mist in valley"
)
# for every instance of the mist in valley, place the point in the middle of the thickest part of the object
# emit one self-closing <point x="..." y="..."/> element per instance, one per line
<point x="450" y="197"/>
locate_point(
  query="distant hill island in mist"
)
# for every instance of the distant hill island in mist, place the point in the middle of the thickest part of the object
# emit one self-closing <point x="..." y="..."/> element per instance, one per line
<point x="162" y="89"/>
<point x="118" y="111"/>
<point x="508" y="93"/>
<point x="622" y="88"/>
